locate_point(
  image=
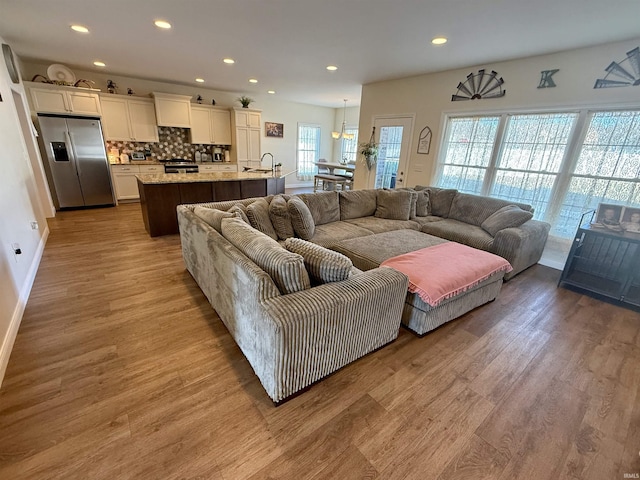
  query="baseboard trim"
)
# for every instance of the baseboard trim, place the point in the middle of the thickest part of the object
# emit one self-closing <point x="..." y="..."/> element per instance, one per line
<point x="16" y="319"/>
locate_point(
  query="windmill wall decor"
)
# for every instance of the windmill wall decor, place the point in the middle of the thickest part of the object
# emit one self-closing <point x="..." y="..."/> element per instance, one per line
<point x="624" y="73"/>
<point x="480" y="85"/>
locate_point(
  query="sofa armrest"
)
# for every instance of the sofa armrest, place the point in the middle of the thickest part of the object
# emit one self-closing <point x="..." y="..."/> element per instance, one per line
<point x="312" y="333"/>
<point x="522" y="246"/>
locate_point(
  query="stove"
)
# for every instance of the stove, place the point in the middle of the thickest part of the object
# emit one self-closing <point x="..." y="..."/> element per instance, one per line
<point x="180" y="165"/>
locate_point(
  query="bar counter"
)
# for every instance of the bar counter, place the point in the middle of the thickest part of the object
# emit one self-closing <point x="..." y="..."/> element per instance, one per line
<point x="160" y="194"/>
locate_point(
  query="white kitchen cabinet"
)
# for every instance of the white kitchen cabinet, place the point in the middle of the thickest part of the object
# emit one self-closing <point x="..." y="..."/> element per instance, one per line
<point x="67" y="100"/>
<point x="142" y="114"/>
<point x="151" y="168"/>
<point x="247" y="135"/>
<point x="125" y="182"/>
<point x="172" y="110"/>
<point x="210" y="125"/>
<point x="128" y="119"/>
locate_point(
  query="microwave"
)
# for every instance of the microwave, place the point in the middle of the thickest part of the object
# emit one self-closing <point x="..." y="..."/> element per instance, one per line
<point x="138" y="156"/>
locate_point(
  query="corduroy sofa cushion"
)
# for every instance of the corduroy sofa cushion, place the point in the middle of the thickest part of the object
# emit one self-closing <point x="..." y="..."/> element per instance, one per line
<point x="423" y="204"/>
<point x="323" y="265"/>
<point x="357" y="203"/>
<point x="395" y="204"/>
<point x="212" y="216"/>
<point x="285" y="268"/>
<point x="324" y="206"/>
<point x="242" y="211"/>
<point x="506" y="217"/>
<point x="301" y="218"/>
<point x="258" y="214"/>
<point x="440" y="200"/>
<point x="280" y="217"/>
<point x="475" y="209"/>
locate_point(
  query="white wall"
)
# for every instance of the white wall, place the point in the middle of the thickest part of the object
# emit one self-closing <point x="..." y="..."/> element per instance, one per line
<point x="273" y="110"/>
<point x="428" y="97"/>
<point x="20" y="204"/>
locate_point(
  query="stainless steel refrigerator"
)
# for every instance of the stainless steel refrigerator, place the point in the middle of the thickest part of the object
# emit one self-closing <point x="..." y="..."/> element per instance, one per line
<point x="76" y="158"/>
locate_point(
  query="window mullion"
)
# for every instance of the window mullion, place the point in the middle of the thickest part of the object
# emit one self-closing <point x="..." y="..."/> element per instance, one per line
<point x="490" y="174"/>
<point x="567" y="166"/>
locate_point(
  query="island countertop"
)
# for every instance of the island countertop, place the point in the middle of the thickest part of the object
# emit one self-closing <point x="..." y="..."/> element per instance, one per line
<point x="162" y="178"/>
<point x="161" y="193"/>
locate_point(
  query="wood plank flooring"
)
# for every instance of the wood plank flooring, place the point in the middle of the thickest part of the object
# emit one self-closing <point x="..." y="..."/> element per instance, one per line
<point x="122" y="370"/>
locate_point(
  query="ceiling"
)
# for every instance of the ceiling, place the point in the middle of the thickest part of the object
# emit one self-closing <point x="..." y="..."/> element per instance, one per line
<point x="287" y="44"/>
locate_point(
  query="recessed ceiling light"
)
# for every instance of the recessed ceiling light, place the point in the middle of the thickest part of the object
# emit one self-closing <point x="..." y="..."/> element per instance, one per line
<point x="79" y="28"/>
<point x="332" y="68"/>
<point x="439" y="41"/>
<point x="162" y="24"/>
<point x="253" y="80"/>
<point x="229" y="60"/>
<point x="200" y="80"/>
<point x="99" y="64"/>
<point x="272" y="92"/>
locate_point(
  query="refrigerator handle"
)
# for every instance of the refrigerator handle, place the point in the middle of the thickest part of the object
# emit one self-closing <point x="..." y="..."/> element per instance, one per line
<point x="69" y="141"/>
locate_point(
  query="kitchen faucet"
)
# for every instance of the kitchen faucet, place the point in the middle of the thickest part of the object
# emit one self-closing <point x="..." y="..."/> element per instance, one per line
<point x="264" y="155"/>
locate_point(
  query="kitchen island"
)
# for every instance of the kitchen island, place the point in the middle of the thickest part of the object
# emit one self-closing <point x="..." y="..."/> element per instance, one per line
<point x="160" y="194"/>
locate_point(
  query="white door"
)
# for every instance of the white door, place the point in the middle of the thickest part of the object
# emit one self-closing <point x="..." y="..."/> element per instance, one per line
<point x="393" y="134"/>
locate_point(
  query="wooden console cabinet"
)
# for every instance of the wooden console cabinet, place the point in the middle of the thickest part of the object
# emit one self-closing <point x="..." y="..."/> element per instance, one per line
<point x="605" y="264"/>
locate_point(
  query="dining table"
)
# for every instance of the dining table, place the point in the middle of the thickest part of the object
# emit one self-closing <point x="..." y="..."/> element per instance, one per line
<point x="333" y="166"/>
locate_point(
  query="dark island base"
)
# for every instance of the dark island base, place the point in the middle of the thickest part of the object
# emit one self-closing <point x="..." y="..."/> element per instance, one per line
<point x="159" y="201"/>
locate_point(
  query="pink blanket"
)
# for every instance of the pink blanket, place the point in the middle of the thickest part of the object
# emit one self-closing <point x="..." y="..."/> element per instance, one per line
<point x="442" y="271"/>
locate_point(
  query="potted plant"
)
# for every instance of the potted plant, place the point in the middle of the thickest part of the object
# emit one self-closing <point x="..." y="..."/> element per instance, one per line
<point x="245" y="101"/>
<point x="369" y="151"/>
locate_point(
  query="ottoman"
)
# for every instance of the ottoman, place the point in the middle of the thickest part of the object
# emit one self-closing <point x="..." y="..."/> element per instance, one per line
<point x="418" y="316"/>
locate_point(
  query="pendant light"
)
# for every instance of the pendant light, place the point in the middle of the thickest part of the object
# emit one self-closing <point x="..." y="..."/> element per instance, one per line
<point x="342" y="133"/>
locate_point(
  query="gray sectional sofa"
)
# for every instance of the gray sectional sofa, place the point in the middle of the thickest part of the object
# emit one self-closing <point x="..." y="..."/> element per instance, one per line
<point x="296" y="279"/>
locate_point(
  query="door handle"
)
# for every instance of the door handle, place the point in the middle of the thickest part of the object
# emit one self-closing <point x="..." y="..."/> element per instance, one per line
<point x="69" y="141"/>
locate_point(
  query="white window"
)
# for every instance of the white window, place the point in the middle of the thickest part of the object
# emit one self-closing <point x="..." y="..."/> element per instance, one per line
<point x="563" y="164"/>
<point x="308" y="150"/>
<point x="531" y="154"/>
<point x="349" y="150"/>
<point x="467" y="152"/>
<point x="607" y="169"/>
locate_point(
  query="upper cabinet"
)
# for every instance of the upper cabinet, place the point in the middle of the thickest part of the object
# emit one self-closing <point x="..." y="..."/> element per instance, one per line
<point x="248" y="118"/>
<point x="247" y="135"/>
<point x="128" y="118"/>
<point x="172" y="110"/>
<point x="46" y="98"/>
<point x="210" y="125"/>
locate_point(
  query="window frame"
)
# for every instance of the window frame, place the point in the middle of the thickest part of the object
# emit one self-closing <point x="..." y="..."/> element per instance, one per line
<point x="307" y="176"/>
<point x="568" y="164"/>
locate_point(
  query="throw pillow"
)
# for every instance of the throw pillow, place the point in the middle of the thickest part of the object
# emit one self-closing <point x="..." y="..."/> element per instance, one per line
<point x="414" y="200"/>
<point x="423" y="204"/>
<point x="441" y="200"/>
<point x="507" y="217"/>
<point x="394" y="204"/>
<point x="286" y="269"/>
<point x="324" y="206"/>
<point x="241" y="210"/>
<point x="323" y="265"/>
<point x="280" y="218"/>
<point x="212" y="216"/>
<point x="301" y="218"/>
<point x="258" y="213"/>
<point x="357" y="203"/>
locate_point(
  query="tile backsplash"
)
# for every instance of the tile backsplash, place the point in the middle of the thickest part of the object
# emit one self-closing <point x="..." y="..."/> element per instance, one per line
<point x="173" y="143"/>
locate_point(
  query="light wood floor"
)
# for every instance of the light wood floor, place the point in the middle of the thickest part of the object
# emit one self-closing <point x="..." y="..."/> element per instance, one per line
<point x="121" y="369"/>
